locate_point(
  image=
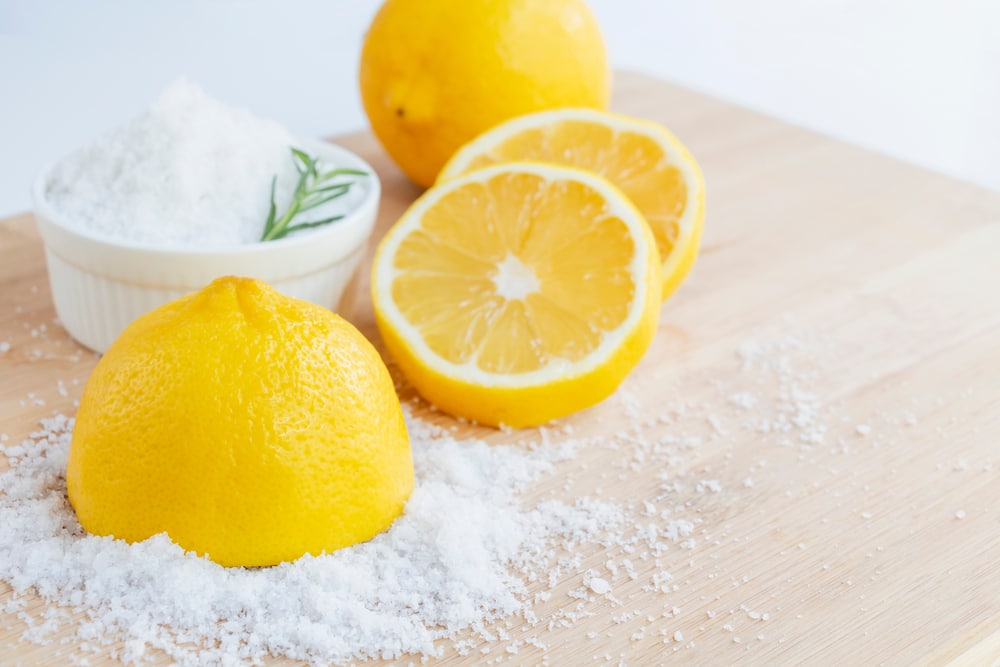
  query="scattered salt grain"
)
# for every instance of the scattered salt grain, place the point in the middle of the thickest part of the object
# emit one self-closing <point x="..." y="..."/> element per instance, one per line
<point x="743" y="400"/>
<point x="190" y="171"/>
<point x="863" y="429"/>
<point x="960" y="514"/>
<point x="600" y="586"/>
<point x="13" y="452"/>
<point x="4" y="347"/>
<point x="708" y="485"/>
<point x="716" y="423"/>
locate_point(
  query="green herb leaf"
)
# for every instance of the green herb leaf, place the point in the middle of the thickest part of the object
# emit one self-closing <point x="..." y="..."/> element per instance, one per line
<point x="315" y="223"/>
<point x="311" y="191"/>
<point x="272" y="212"/>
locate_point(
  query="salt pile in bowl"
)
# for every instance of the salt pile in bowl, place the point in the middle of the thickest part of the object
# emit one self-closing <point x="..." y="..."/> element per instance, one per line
<point x="189" y="172"/>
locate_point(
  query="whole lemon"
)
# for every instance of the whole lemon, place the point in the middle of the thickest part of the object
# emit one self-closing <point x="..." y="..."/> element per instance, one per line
<point x="249" y="426"/>
<point x="436" y="73"/>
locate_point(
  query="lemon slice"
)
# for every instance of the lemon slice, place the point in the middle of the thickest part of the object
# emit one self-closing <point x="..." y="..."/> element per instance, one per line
<point x="518" y="293"/>
<point x="641" y="157"/>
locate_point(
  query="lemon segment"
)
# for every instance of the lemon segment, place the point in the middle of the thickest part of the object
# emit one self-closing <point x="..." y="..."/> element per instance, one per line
<point x="648" y="163"/>
<point x="518" y="293"/>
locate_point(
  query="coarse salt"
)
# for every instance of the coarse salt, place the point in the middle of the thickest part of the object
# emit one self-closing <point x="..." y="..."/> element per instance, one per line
<point x="456" y="559"/>
<point x="189" y="172"/>
<point x="743" y="400"/>
<point x="600" y="586"/>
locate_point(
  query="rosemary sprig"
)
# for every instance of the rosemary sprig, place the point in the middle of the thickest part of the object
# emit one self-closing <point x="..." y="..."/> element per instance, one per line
<point x="313" y="189"/>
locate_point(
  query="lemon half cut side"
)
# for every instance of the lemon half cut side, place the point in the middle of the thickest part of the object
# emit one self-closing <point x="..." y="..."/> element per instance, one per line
<point x="518" y="293"/>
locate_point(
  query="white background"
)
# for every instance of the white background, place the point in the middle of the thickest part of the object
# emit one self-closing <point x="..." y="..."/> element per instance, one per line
<point x="917" y="79"/>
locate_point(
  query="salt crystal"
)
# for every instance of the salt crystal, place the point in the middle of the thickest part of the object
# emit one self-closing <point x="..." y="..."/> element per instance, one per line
<point x="706" y="485"/>
<point x="599" y="586"/>
<point x="960" y="514"/>
<point x="13" y="451"/>
<point x="4" y="347"/>
<point x="716" y="423"/>
<point x="743" y="400"/>
<point x="678" y="636"/>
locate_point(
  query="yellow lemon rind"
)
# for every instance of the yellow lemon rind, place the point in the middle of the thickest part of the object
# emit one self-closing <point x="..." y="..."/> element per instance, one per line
<point x="246" y="475"/>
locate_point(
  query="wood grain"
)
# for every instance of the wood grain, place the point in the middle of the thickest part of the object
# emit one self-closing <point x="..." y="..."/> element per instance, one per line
<point x="887" y="276"/>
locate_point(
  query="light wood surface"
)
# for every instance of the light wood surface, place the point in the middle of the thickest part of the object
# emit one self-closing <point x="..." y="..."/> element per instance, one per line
<point x="888" y="276"/>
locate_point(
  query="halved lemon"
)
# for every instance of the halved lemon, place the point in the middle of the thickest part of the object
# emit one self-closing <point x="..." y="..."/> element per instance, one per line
<point x="518" y="293"/>
<point x="641" y="157"/>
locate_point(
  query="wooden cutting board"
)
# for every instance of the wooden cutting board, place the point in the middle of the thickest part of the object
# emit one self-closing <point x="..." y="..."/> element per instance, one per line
<point x="877" y="542"/>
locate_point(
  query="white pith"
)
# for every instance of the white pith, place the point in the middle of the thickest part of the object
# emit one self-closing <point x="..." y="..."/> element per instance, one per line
<point x="514" y="279"/>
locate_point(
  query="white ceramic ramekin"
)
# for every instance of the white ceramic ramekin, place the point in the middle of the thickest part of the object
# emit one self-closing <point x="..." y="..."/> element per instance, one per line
<point x="100" y="284"/>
